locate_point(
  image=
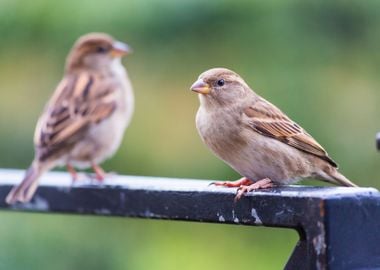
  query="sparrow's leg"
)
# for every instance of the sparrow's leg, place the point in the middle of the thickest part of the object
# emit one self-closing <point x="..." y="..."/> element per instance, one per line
<point x="99" y="172"/>
<point x="261" y="184"/>
<point x="72" y="172"/>
<point x="244" y="181"/>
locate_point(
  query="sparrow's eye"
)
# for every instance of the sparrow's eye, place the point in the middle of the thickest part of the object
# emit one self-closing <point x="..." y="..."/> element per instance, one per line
<point x="101" y="49"/>
<point x="220" y="82"/>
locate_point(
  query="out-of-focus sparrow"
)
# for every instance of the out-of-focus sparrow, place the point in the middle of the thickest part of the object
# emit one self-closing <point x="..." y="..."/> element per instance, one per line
<point x="84" y="121"/>
<point x="255" y="137"/>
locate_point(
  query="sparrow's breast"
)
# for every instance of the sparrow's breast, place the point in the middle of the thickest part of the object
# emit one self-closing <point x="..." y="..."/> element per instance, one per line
<point x="221" y="131"/>
<point x="126" y="101"/>
<point x="103" y="139"/>
<point x="109" y="134"/>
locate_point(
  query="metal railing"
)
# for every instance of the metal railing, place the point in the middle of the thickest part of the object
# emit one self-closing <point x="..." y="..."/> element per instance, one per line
<point x="339" y="227"/>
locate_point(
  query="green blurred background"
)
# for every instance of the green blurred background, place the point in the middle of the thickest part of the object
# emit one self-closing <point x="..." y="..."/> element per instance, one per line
<point x="319" y="62"/>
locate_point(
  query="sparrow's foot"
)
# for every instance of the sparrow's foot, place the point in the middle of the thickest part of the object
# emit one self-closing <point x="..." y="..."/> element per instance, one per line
<point x="244" y="181"/>
<point x="100" y="174"/>
<point x="261" y="184"/>
<point x="72" y="172"/>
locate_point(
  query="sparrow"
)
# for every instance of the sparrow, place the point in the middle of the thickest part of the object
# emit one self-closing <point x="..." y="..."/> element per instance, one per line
<point x="84" y="121"/>
<point x="255" y="137"/>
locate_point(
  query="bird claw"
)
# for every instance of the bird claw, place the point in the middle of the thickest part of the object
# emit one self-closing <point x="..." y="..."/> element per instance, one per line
<point x="244" y="185"/>
<point x="261" y="184"/>
<point x="100" y="174"/>
<point x="73" y="173"/>
<point x="238" y="183"/>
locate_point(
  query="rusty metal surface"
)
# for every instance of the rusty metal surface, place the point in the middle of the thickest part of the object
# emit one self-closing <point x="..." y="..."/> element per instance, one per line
<point x="338" y="227"/>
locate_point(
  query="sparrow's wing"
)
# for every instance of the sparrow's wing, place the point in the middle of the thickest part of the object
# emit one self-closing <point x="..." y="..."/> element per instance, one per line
<point x="268" y="120"/>
<point x="79" y="101"/>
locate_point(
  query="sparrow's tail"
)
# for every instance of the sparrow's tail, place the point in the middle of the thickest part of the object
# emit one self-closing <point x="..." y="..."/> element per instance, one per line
<point x="337" y="178"/>
<point x="26" y="189"/>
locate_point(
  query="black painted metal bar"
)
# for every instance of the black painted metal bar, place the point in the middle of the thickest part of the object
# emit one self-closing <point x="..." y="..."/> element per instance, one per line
<point x="339" y="227"/>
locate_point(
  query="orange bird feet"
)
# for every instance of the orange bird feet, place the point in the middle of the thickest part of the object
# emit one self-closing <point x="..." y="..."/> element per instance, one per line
<point x="261" y="184"/>
<point x="238" y="183"/>
<point x="72" y="172"/>
<point x="100" y="174"/>
<point x="245" y="185"/>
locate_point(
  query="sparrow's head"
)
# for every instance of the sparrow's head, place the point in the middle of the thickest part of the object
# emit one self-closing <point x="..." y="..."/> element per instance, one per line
<point x="220" y="86"/>
<point x="95" y="51"/>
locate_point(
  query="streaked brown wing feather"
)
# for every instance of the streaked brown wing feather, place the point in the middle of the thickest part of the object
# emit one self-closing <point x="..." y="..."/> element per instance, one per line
<point x="79" y="101"/>
<point x="270" y="121"/>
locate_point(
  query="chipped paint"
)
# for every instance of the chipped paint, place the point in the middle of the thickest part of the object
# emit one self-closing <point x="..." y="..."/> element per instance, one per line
<point x="256" y="216"/>
<point x="234" y="217"/>
<point x="320" y="245"/>
<point x="220" y="217"/>
<point x="148" y="213"/>
<point x="103" y="211"/>
<point x="318" y="241"/>
<point x="122" y="198"/>
<point x="37" y="203"/>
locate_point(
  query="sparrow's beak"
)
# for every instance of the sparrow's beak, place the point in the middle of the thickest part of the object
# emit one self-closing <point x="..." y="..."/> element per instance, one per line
<point x="201" y="87"/>
<point x="120" y="49"/>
